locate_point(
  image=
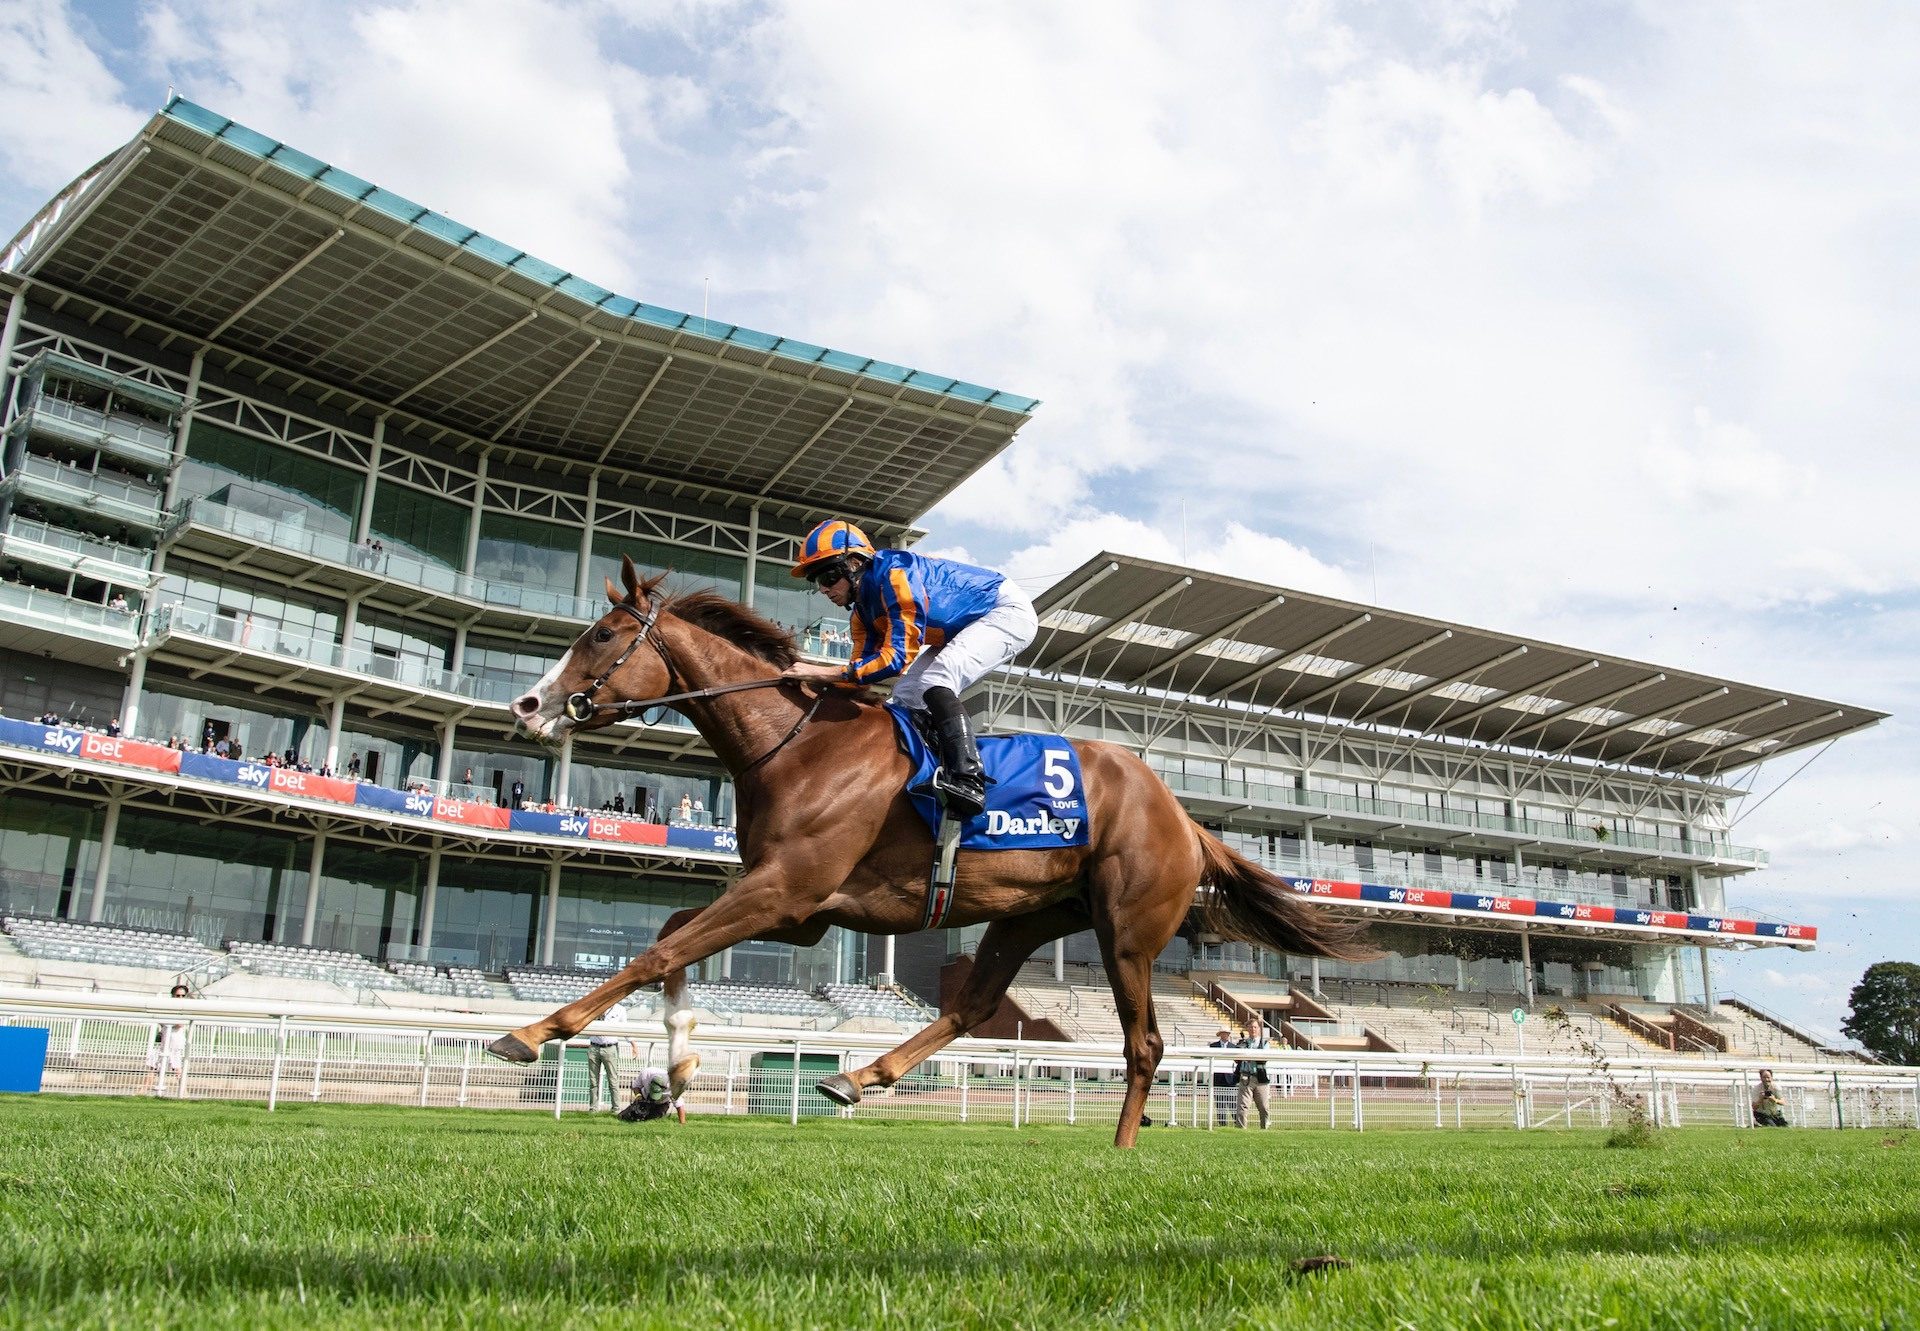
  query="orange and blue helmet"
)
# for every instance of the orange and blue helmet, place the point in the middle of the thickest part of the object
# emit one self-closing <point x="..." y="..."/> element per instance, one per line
<point x="835" y="538"/>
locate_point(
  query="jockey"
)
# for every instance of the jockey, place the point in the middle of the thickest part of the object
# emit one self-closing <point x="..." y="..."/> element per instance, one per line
<point x="939" y="625"/>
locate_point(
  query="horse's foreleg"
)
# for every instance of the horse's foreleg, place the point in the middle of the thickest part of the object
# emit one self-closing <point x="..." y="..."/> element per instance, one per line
<point x="759" y="904"/>
<point x="1004" y="947"/>
<point x="682" y="1062"/>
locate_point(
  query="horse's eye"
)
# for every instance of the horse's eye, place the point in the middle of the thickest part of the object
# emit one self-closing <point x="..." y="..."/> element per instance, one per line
<point x="603" y="635"/>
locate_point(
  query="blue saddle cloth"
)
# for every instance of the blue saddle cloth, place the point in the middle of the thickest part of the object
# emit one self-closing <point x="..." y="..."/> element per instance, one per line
<point x="1035" y="798"/>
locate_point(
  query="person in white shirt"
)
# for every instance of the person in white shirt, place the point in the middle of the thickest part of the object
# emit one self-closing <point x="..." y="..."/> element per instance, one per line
<point x="169" y="1048"/>
<point x="653" y="1098"/>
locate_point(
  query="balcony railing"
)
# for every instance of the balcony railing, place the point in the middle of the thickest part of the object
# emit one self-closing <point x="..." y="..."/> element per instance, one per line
<point x="67" y="614"/>
<point x="1395" y="811"/>
<point x="69" y="487"/>
<point x="335" y="548"/>
<point x="139" y="441"/>
<point x="270" y="640"/>
<point x="73" y="548"/>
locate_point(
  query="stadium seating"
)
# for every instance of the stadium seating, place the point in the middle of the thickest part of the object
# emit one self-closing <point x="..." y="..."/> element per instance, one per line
<point x="292" y="961"/>
<point x="552" y="984"/>
<point x="727" y="998"/>
<point x="859" y="1000"/>
<point x="108" y="945"/>
<point x="469" y="983"/>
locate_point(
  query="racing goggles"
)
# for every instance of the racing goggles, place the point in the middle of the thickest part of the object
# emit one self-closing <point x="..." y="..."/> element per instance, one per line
<point x="828" y="573"/>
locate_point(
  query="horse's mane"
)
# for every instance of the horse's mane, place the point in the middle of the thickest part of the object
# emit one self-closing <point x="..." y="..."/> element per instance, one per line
<point x="744" y="628"/>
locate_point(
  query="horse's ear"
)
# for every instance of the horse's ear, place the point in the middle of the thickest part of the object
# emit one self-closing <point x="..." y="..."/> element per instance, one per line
<point x="613" y="593"/>
<point x="630" y="576"/>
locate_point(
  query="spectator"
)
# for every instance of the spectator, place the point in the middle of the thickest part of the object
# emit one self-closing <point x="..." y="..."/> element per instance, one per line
<point x="467" y="780"/>
<point x="113" y="728"/>
<point x="1226" y="1096"/>
<point x="353" y="767"/>
<point x="119" y="604"/>
<point x="619" y="803"/>
<point x="652" y="1098"/>
<point x="519" y="795"/>
<point x="1769" y="1110"/>
<point x="603" y="1060"/>
<point x="684" y="813"/>
<point x="1254" y="1078"/>
<point x="169" y="1050"/>
<point x="206" y="739"/>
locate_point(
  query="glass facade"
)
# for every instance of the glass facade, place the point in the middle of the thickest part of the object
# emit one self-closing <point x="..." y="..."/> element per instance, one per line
<point x="523" y="552"/>
<point x="691" y="568"/>
<point x="268" y="481"/>
<point x="654" y="791"/>
<point x="487" y="915"/>
<point x="413" y="523"/>
<point x="213" y="880"/>
<point x="606" y="919"/>
<point x="369" y="899"/>
<point x="252" y="727"/>
<point x="45" y="847"/>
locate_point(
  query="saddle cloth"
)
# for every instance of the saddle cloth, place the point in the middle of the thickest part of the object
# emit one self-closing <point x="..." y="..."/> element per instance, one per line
<point x="1035" y="799"/>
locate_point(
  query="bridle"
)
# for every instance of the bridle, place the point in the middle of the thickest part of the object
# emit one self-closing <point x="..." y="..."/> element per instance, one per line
<point x="581" y="707"/>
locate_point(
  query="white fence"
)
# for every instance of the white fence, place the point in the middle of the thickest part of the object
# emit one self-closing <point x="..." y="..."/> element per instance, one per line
<point x="237" y="1050"/>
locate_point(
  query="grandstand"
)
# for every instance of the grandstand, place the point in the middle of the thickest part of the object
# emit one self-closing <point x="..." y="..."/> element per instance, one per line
<point x="301" y="484"/>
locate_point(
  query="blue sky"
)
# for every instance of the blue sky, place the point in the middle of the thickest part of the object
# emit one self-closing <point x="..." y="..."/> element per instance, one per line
<point x="1588" y="322"/>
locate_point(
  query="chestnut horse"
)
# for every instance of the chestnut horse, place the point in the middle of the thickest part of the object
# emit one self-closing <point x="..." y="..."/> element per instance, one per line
<point x="827" y="837"/>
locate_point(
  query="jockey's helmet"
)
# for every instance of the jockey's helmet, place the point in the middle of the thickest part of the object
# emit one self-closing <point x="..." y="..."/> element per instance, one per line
<point x="833" y="539"/>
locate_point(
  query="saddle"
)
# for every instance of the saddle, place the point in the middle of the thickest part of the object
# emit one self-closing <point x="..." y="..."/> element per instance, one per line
<point x="1035" y="800"/>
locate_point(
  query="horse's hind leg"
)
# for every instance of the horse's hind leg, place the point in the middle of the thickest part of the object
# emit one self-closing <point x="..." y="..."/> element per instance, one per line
<point x="1134" y="918"/>
<point x="1003" y="948"/>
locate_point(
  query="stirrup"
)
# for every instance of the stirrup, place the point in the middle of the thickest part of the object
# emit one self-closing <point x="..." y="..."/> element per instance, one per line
<point x="963" y="797"/>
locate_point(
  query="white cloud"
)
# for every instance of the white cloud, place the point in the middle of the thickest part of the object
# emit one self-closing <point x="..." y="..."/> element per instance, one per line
<point x="1599" y="332"/>
<point x="64" y="107"/>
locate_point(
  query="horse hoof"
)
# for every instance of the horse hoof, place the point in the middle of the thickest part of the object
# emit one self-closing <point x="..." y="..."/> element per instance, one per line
<point x="840" y="1089"/>
<point x="513" y="1049"/>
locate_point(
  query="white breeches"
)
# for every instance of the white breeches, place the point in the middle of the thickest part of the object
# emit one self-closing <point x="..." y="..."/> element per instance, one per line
<point x="974" y="652"/>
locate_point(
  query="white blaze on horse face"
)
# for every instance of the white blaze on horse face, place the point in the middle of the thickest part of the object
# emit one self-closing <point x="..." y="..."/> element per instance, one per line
<point x="552" y="703"/>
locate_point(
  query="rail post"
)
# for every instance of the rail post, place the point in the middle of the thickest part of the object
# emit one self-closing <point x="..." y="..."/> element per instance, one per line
<point x="279" y="1057"/>
<point x="426" y="1065"/>
<point x="466" y="1066"/>
<point x="793" y="1106"/>
<point x="186" y="1063"/>
<point x="1359" y="1103"/>
<point x="1839" y="1113"/>
<point x="1016" y="1085"/>
<point x="559" y="1075"/>
<point x="966" y="1080"/>
<point x="1519" y="1100"/>
<point x="1068" y="1073"/>
<point x="319" y="1060"/>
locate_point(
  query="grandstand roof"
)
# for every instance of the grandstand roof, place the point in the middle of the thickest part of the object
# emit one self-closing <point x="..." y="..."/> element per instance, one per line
<point x="1136" y="623"/>
<point x="205" y="230"/>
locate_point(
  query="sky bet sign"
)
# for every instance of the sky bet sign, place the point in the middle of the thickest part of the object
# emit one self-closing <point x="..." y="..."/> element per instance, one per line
<point x="257" y="777"/>
<point x="1483" y="903"/>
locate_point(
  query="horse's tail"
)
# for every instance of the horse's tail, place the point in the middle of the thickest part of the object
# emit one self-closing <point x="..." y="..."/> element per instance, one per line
<point x="1255" y="906"/>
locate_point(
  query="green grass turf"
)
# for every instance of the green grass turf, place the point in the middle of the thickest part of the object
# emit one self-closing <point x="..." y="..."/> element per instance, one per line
<point x="134" y="1214"/>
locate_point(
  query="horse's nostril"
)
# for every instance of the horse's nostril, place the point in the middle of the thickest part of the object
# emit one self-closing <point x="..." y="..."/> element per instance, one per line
<point x="526" y="705"/>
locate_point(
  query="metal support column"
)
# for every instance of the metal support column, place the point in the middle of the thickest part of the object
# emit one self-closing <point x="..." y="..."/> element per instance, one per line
<point x="9" y="334"/>
<point x="1526" y="962"/>
<point x="552" y="920"/>
<point x="1059" y="961"/>
<point x="336" y="715"/>
<point x="315" y="866"/>
<point x="563" y="777"/>
<point x="1706" y="977"/>
<point x="443" y="769"/>
<point x="429" y="898"/>
<point x="886" y="963"/>
<point x="751" y="573"/>
<point x="581" y="590"/>
<point x="363" y="521"/>
<point x="130" y="700"/>
<point x="473" y="519"/>
<point x="109" y="831"/>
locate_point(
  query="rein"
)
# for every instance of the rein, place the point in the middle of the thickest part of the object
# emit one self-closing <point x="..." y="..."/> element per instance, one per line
<point x="581" y="706"/>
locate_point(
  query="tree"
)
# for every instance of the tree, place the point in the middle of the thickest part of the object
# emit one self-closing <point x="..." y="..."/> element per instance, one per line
<point x="1885" y="1011"/>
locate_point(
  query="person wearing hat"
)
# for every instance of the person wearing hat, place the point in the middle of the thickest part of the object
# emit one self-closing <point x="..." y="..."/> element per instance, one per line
<point x="1226" y="1082"/>
<point x="939" y="625"/>
<point x="653" y="1098"/>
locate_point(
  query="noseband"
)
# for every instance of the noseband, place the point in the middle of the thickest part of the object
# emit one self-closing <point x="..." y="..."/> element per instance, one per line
<point x="581" y="706"/>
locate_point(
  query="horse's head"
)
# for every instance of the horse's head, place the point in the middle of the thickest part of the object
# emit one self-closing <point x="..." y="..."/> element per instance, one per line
<point x="610" y="662"/>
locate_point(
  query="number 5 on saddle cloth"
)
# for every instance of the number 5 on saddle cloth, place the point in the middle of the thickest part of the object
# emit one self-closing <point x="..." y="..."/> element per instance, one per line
<point x="1035" y="801"/>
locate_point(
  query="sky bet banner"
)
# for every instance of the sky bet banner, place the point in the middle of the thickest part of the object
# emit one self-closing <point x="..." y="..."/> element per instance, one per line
<point x="1035" y="800"/>
<point x="1487" y="903"/>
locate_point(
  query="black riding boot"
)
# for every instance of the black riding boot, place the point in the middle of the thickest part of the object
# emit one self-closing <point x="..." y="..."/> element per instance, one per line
<point x="961" y="780"/>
